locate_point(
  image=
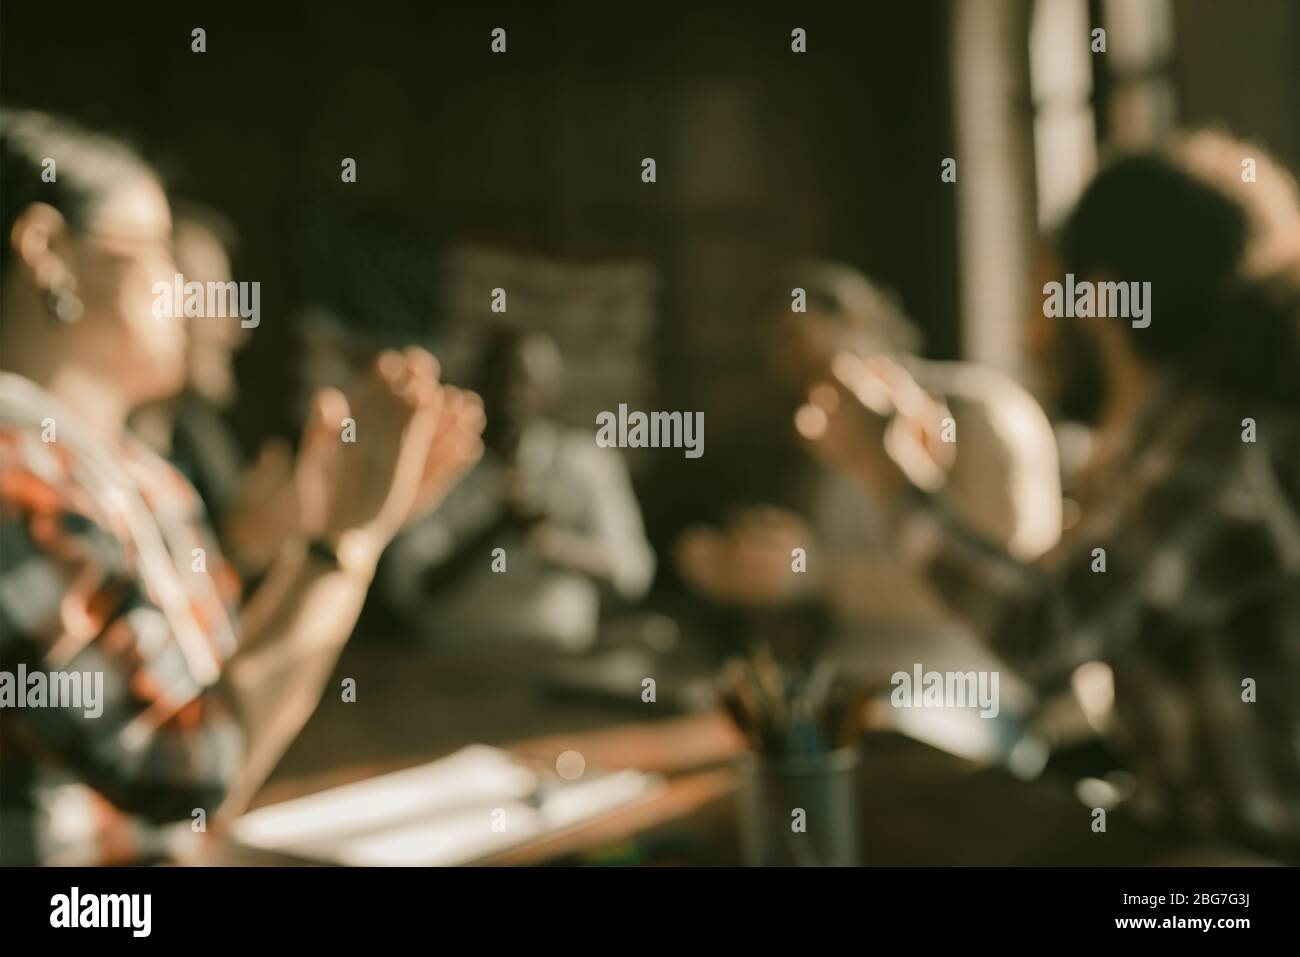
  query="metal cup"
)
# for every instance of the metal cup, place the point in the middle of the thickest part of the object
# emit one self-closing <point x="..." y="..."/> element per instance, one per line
<point x="799" y="810"/>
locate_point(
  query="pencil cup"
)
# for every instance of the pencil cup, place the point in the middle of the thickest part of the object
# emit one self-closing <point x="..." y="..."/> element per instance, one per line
<point x="799" y="810"/>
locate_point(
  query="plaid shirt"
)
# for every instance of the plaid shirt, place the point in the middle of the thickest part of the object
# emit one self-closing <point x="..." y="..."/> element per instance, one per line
<point x="100" y="573"/>
<point x="1201" y="591"/>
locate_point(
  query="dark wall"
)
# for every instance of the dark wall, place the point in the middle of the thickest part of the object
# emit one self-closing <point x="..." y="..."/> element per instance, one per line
<point x="1239" y="65"/>
<point x="762" y="155"/>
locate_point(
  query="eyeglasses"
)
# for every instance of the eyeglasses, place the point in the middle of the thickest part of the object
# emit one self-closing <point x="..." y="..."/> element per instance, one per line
<point x="164" y="245"/>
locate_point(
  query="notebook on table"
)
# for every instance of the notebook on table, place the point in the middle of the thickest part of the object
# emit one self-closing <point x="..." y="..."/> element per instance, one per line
<point x="460" y="809"/>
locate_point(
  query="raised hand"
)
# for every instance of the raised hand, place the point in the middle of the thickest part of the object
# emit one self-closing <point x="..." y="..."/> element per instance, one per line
<point x="872" y="419"/>
<point x="457" y="445"/>
<point x="408" y="440"/>
<point x="265" y="511"/>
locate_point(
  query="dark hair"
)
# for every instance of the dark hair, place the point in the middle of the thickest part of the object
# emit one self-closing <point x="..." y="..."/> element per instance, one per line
<point x="87" y="167"/>
<point x="503" y="345"/>
<point x="1218" y="251"/>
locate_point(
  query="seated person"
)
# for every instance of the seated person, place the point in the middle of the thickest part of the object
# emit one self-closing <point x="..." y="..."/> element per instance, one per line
<point x="252" y="506"/>
<point x="108" y="571"/>
<point x="1182" y="579"/>
<point x="521" y="549"/>
<point x="1005" y="481"/>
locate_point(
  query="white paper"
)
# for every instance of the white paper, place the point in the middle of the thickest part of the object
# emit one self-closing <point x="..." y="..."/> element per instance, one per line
<point x="441" y="813"/>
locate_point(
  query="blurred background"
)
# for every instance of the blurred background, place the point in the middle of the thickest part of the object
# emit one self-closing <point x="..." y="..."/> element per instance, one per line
<point x="522" y="170"/>
<point x="763" y="157"/>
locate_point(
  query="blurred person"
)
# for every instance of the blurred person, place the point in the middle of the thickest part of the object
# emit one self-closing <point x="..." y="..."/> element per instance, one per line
<point x="107" y="569"/>
<point x="253" y="508"/>
<point x="1182" y="579"/>
<point x="1066" y="374"/>
<point x="1005" y="481"/>
<point x="561" y="510"/>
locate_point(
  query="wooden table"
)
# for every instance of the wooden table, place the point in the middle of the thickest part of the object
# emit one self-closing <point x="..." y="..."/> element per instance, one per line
<point x="919" y="805"/>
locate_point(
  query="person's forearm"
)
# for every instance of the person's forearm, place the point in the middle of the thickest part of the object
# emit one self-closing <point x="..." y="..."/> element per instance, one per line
<point x="1020" y="610"/>
<point x="295" y="628"/>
